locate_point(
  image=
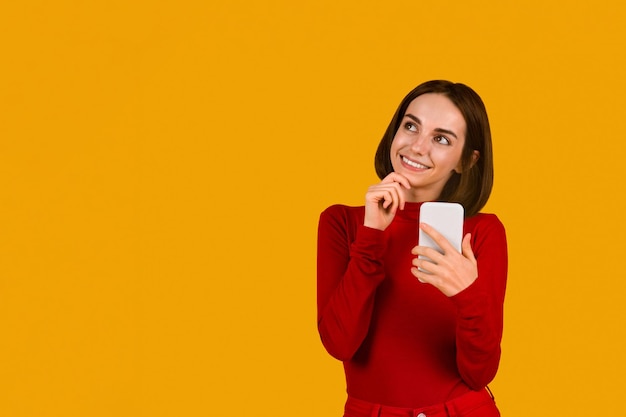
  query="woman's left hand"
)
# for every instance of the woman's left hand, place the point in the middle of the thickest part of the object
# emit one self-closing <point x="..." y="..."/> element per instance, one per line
<point x="450" y="272"/>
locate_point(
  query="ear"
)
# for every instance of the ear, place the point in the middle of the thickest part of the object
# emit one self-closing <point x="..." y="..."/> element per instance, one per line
<point x="475" y="156"/>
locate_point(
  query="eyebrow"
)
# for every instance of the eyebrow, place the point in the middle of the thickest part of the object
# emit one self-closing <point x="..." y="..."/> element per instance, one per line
<point x="438" y="129"/>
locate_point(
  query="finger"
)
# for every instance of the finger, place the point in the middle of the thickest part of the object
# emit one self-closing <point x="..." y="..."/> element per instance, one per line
<point x="404" y="181"/>
<point x="426" y="264"/>
<point x="377" y="193"/>
<point x="423" y="277"/>
<point x="397" y="185"/>
<point x="401" y="198"/>
<point x="400" y="179"/>
<point x="381" y="196"/>
<point x="389" y="184"/>
<point x="389" y="181"/>
<point x="428" y="254"/>
<point x="422" y="263"/>
<point x="395" y="194"/>
<point x="389" y="199"/>
<point x="466" y="247"/>
<point x="431" y="254"/>
<point x="439" y="239"/>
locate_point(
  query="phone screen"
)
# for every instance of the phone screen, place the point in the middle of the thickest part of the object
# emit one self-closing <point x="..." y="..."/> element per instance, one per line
<point x="447" y="219"/>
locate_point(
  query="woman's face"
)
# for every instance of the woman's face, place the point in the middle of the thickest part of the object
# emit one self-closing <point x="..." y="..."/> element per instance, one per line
<point x="428" y="145"/>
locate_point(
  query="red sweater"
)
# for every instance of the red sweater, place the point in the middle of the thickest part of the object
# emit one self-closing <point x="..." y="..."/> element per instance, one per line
<point x="404" y="343"/>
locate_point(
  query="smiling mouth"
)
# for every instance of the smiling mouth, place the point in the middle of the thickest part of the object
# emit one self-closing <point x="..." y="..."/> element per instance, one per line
<point x="413" y="163"/>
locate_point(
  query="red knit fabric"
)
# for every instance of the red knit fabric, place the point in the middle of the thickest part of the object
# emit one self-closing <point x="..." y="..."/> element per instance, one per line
<point x="404" y="343"/>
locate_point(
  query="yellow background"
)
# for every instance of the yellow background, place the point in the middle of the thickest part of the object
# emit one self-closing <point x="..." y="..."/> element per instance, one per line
<point x="163" y="165"/>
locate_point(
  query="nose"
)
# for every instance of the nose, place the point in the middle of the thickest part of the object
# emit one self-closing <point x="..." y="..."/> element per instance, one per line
<point x="421" y="144"/>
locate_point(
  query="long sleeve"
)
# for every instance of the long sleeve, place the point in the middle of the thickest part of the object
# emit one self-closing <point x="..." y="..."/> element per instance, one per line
<point x="402" y="342"/>
<point x="349" y="270"/>
<point x="480" y="306"/>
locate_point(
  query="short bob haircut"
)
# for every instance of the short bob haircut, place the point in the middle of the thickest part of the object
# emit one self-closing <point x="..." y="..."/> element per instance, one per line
<point x="472" y="187"/>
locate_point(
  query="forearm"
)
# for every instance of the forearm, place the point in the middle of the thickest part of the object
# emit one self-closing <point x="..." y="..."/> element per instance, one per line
<point x="481" y="308"/>
<point x="344" y="321"/>
<point x="349" y="273"/>
<point x="479" y="333"/>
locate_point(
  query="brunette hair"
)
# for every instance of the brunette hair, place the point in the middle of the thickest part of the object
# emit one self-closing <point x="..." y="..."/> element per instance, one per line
<point x="472" y="187"/>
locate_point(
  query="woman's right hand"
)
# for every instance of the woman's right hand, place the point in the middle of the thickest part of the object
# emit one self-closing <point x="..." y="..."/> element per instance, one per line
<point x="383" y="200"/>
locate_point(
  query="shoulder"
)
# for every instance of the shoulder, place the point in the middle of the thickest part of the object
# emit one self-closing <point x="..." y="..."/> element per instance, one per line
<point x="340" y="215"/>
<point x="342" y="209"/>
<point x="484" y="220"/>
<point x="485" y="226"/>
<point x="338" y="211"/>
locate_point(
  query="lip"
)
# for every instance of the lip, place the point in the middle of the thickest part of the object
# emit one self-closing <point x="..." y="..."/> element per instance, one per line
<point x="410" y="164"/>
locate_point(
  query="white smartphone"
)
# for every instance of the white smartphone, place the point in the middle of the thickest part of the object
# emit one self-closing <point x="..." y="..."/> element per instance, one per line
<point x="447" y="219"/>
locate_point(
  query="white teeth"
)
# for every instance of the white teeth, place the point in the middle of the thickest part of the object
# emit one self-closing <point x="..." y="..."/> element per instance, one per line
<point x="413" y="164"/>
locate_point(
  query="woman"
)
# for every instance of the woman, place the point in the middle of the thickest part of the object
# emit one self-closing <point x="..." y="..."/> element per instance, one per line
<point x="418" y="337"/>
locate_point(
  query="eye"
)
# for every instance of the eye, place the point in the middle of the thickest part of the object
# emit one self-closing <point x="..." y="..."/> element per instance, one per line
<point x="410" y="127"/>
<point x="442" y="140"/>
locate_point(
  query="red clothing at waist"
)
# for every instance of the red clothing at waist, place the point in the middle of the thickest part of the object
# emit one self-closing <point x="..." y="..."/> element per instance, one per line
<point x="481" y="402"/>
